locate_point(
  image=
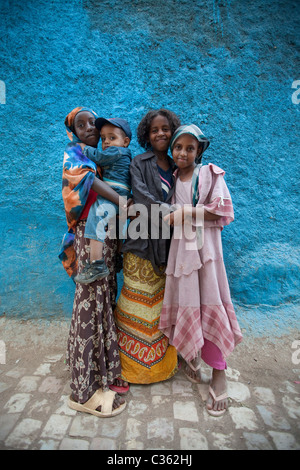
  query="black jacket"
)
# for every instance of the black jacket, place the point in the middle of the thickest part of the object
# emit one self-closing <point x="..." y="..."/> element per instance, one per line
<point x="146" y="190"/>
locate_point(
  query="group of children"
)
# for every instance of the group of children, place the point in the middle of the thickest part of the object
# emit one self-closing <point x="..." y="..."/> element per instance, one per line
<point x="197" y="314"/>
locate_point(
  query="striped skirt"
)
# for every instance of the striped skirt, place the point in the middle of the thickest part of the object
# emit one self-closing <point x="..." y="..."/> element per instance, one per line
<point x="145" y="353"/>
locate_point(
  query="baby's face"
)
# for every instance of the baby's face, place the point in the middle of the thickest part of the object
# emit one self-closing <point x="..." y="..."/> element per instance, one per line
<point x="85" y="129"/>
<point x="113" y="136"/>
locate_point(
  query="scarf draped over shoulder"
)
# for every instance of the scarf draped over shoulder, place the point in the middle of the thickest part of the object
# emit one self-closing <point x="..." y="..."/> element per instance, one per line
<point x="77" y="179"/>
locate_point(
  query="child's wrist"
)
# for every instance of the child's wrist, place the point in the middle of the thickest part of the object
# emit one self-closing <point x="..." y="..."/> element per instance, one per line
<point x="123" y="203"/>
<point x="188" y="210"/>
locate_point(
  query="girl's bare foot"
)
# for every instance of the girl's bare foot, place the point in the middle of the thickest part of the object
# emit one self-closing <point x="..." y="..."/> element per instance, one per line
<point x="120" y="383"/>
<point x="120" y="386"/>
<point x="118" y="401"/>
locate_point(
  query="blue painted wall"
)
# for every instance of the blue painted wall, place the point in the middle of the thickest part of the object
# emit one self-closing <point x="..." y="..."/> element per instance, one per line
<point x="232" y="67"/>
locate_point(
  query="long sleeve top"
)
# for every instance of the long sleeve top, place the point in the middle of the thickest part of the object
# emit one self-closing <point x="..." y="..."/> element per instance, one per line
<point x="147" y="191"/>
<point x="114" y="162"/>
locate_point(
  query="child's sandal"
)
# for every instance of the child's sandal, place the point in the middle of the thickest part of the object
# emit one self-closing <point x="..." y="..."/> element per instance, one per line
<point x="194" y="369"/>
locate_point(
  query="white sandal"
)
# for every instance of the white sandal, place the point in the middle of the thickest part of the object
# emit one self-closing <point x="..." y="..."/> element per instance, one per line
<point x="100" y="398"/>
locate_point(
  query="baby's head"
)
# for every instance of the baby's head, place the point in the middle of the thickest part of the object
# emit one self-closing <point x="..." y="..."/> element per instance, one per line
<point x="196" y="133"/>
<point x="113" y="132"/>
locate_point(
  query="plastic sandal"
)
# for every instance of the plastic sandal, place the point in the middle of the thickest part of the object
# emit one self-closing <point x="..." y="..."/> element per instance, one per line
<point x="100" y="398"/>
<point x="194" y="369"/>
<point x="223" y="396"/>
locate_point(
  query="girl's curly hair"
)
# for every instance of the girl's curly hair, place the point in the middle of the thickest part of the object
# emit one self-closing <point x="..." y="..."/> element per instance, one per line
<point x="144" y="126"/>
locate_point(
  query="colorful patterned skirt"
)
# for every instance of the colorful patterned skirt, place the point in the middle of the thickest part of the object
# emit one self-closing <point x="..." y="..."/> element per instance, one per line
<point x="145" y="353"/>
<point x="92" y="353"/>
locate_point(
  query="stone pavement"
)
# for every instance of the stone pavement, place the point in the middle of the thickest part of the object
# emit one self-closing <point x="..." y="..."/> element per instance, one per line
<point x="264" y="407"/>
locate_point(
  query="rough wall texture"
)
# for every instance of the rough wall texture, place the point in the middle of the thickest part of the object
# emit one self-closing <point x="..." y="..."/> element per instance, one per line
<point x="228" y="66"/>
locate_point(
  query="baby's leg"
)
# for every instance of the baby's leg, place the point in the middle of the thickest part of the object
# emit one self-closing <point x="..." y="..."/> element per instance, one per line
<point x="95" y="231"/>
<point x="96" y="250"/>
<point x="96" y="268"/>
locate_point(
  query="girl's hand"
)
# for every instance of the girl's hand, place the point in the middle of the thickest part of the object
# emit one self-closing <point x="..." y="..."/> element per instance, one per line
<point x="132" y="213"/>
<point x="175" y="218"/>
<point x="129" y="202"/>
<point x="81" y="145"/>
<point x="123" y="204"/>
<point x="179" y="216"/>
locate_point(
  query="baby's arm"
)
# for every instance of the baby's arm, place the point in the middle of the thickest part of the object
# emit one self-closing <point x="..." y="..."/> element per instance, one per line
<point x="101" y="158"/>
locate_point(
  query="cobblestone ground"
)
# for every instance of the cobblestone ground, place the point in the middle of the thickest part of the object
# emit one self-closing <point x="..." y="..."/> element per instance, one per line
<point x="263" y="385"/>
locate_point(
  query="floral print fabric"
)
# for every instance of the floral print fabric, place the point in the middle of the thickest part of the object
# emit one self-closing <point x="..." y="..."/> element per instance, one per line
<point x="92" y="354"/>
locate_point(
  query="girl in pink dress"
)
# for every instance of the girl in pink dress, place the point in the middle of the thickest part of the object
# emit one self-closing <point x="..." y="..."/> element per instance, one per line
<point x="197" y="315"/>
